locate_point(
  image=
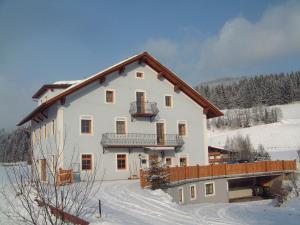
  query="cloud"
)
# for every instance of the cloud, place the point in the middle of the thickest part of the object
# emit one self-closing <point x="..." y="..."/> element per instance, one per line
<point x="241" y="45"/>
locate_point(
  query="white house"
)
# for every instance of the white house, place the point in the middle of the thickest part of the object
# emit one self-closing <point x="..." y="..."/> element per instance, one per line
<point x="119" y="118"/>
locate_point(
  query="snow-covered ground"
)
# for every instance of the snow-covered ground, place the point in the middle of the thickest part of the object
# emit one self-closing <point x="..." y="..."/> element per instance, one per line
<point x="280" y="139"/>
<point x="124" y="202"/>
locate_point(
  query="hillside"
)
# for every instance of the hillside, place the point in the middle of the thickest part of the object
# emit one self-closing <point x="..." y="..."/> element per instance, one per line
<point x="281" y="139"/>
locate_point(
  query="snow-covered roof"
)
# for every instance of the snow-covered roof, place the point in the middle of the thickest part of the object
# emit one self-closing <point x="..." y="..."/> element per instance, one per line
<point x="67" y="82"/>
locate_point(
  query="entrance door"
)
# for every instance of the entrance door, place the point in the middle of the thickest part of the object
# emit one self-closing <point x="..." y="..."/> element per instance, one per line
<point x="140" y="102"/>
<point x="43" y="169"/>
<point x="160" y="132"/>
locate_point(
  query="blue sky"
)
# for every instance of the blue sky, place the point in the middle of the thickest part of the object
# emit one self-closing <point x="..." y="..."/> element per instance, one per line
<point x="45" y="41"/>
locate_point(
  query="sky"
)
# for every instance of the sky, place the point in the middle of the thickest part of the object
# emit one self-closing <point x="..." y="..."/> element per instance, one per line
<point x="43" y="41"/>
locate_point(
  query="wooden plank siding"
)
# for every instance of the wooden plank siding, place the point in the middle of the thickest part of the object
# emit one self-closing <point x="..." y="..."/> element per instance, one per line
<point x="223" y="170"/>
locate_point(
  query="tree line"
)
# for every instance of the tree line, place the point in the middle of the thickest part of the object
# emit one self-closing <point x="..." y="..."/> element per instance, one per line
<point x="14" y="145"/>
<point x="241" y="118"/>
<point x="272" y="89"/>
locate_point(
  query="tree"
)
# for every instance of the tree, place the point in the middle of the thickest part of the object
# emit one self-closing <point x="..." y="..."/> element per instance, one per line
<point x="28" y="196"/>
<point x="157" y="174"/>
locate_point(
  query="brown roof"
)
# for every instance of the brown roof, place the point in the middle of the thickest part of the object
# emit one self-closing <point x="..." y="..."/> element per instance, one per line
<point x="145" y="57"/>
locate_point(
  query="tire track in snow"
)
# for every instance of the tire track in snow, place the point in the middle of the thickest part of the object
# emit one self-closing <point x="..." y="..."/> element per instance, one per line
<point x="125" y="197"/>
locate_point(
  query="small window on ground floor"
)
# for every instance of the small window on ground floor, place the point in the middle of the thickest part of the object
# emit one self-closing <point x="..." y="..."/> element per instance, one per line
<point x="86" y="162"/>
<point x="180" y="195"/>
<point x="183" y="161"/>
<point x="121" y="162"/>
<point x="193" y="192"/>
<point x="209" y="189"/>
<point x="168" y="161"/>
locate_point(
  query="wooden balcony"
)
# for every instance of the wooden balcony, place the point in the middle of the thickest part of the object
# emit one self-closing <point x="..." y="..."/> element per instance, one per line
<point x="143" y="109"/>
<point x="141" y="140"/>
<point x="181" y="174"/>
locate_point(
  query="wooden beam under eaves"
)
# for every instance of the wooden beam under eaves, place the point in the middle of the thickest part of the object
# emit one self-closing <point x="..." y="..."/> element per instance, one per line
<point x="160" y="75"/>
<point x="121" y="70"/>
<point x="44" y="115"/>
<point x="36" y="121"/>
<point x="142" y="60"/>
<point x="102" y="80"/>
<point x="176" y="88"/>
<point x="62" y="100"/>
<point x="41" y="119"/>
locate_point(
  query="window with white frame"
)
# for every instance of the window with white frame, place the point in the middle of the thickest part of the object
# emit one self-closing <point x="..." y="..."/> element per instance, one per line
<point x="180" y="195"/>
<point x="120" y="126"/>
<point x="193" y="192"/>
<point x="168" y="101"/>
<point x="183" y="161"/>
<point x="209" y="189"/>
<point x="139" y="75"/>
<point x="121" y="161"/>
<point x="109" y="96"/>
<point x="86" y="125"/>
<point x="86" y="162"/>
<point x="182" y="128"/>
<point x="168" y="161"/>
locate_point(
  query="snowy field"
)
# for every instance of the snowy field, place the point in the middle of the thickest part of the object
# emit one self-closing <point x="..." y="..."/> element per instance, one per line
<point x="280" y="139"/>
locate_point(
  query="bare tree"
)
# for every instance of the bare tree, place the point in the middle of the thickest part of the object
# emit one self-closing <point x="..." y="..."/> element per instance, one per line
<point x="30" y="191"/>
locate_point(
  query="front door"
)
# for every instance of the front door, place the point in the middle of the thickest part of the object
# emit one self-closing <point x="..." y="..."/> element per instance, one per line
<point x="160" y="132"/>
<point x="43" y="169"/>
<point x="140" y="102"/>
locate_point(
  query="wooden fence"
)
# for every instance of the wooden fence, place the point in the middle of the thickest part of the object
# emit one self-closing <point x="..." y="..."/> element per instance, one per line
<point x="65" y="177"/>
<point x="64" y="216"/>
<point x="223" y="170"/>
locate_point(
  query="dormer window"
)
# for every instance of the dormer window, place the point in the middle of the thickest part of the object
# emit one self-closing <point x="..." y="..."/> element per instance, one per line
<point x="139" y="75"/>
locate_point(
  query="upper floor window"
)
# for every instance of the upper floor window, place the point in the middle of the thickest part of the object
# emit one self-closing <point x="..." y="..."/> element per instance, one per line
<point x="86" y="125"/>
<point x="121" y="126"/>
<point x="182" y="131"/>
<point x="86" y="162"/>
<point x="168" y="101"/>
<point x="109" y="96"/>
<point x="139" y="75"/>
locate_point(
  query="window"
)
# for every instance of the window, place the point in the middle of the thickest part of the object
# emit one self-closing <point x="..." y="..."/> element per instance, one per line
<point x="209" y="189"/>
<point x="180" y="195"/>
<point x="182" y="128"/>
<point x="168" y="101"/>
<point x="183" y="161"/>
<point x="86" y="125"/>
<point x="139" y="75"/>
<point x="109" y="96"/>
<point x="86" y="162"/>
<point x="168" y="161"/>
<point x="193" y="192"/>
<point x="121" y="162"/>
<point x="121" y="127"/>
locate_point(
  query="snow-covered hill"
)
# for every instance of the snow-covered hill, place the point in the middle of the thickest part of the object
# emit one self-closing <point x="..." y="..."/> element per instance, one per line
<point x="280" y="139"/>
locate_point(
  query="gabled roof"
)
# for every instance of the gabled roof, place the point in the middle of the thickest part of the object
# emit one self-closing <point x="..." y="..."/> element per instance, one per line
<point x="210" y="110"/>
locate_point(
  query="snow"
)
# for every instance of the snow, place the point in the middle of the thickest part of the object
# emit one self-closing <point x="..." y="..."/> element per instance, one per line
<point x="124" y="202"/>
<point x="67" y="82"/>
<point x="282" y="138"/>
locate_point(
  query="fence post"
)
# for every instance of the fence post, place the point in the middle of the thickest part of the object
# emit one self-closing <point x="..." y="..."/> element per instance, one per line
<point x="100" y="211"/>
<point x="282" y="163"/>
<point x="198" y="173"/>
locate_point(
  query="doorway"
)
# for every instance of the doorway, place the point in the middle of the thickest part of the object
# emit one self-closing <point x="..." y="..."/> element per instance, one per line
<point x="160" y="132"/>
<point x="140" y="101"/>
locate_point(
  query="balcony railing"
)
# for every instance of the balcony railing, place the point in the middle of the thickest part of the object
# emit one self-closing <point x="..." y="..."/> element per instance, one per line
<point x="143" y="109"/>
<point x="141" y="140"/>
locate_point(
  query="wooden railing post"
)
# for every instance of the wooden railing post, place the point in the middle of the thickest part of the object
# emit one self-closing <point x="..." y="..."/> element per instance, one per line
<point x="282" y="163"/>
<point x="198" y="172"/>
